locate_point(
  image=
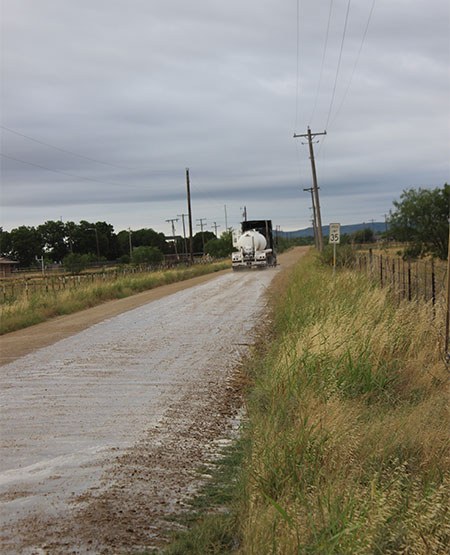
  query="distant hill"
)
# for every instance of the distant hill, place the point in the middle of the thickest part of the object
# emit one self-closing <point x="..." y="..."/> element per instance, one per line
<point x="377" y="227"/>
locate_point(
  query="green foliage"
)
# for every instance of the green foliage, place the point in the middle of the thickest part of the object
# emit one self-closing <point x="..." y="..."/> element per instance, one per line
<point x="345" y="256"/>
<point x="26" y="245"/>
<point x="284" y="243"/>
<point x="76" y="263"/>
<point x="201" y="238"/>
<point x="147" y="255"/>
<point x="56" y="239"/>
<point x="53" y="234"/>
<point x="365" y="235"/>
<point x="347" y="424"/>
<point x="212" y="519"/>
<point x="5" y="242"/>
<point x="145" y="237"/>
<point x="220" y="248"/>
<point x="421" y="218"/>
<point x="125" y="259"/>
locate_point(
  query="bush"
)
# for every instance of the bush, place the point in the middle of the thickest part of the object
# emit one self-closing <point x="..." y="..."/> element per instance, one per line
<point x="147" y="255"/>
<point x="220" y="248"/>
<point x="76" y="263"/>
<point x="345" y="256"/>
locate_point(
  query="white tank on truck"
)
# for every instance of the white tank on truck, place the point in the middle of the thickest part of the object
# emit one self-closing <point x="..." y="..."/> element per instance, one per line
<point x="254" y="244"/>
<point x="252" y="240"/>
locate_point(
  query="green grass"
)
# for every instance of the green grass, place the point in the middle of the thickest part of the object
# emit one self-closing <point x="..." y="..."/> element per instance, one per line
<point x="212" y="521"/>
<point x="39" y="307"/>
<point x="346" y="442"/>
<point x="348" y="423"/>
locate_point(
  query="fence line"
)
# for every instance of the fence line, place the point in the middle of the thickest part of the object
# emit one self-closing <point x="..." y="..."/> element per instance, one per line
<point x="12" y="289"/>
<point x="418" y="279"/>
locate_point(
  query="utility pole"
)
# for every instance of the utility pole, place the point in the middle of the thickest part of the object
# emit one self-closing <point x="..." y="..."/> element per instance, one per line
<point x="314" y="220"/>
<point x="201" y="225"/>
<point x="215" y="226"/>
<point x="130" y="243"/>
<point x="226" y="218"/>
<point x="188" y="185"/>
<point x="182" y="216"/>
<point x="310" y="137"/>
<point x="173" y="220"/>
<point x="96" y="242"/>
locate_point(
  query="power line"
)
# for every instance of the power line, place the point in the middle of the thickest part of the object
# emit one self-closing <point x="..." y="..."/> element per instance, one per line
<point x="323" y="62"/>
<point x="60" y="171"/>
<point x="62" y="149"/>
<point x="356" y="61"/>
<point x="297" y="65"/>
<point x="82" y="156"/>
<point x="339" y="63"/>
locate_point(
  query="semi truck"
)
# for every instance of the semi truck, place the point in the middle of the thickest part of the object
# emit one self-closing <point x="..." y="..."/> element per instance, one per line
<point x="255" y="246"/>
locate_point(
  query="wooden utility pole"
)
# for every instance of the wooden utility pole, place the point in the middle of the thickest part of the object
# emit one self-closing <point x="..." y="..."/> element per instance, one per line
<point x="215" y="226"/>
<point x="188" y="185"/>
<point x="173" y="220"/>
<point x="310" y="137"/>
<point x="314" y="220"/>
<point x="182" y="216"/>
<point x="130" y="244"/>
<point x="201" y="225"/>
<point x="226" y="217"/>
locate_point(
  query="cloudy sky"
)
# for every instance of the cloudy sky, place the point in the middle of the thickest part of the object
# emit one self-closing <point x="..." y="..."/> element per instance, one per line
<point x="104" y="103"/>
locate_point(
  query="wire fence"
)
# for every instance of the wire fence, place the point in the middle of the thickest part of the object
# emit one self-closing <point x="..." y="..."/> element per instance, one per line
<point x="13" y="288"/>
<point x="412" y="280"/>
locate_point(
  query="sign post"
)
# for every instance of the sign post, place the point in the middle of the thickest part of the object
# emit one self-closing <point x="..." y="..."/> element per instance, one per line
<point x="334" y="239"/>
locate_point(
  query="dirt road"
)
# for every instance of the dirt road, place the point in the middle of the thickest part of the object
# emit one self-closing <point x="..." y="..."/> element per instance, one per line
<point x="102" y="431"/>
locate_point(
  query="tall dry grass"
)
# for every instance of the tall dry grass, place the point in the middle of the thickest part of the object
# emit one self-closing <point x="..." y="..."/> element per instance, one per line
<point x="348" y="424"/>
<point x="38" y="307"/>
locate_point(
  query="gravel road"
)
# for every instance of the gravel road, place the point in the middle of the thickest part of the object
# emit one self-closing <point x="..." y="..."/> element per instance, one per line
<point x="102" y="432"/>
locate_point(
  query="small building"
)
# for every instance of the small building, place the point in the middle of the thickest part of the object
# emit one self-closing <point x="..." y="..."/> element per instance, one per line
<point x="7" y="266"/>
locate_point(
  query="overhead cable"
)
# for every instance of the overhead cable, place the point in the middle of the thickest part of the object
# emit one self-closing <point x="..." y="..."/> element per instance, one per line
<point x="297" y="81"/>
<point x="59" y="171"/>
<point x="339" y="64"/>
<point x="323" y="62"/>
<point x="61" y="149"/>
<point x="356" y="61"/>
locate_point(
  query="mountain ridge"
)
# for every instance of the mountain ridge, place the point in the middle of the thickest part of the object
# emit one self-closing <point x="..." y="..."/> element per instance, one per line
<point x="376" y="227"/>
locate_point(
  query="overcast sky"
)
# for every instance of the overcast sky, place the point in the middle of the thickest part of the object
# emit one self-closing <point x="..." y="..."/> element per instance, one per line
<point x="142" y="89"/>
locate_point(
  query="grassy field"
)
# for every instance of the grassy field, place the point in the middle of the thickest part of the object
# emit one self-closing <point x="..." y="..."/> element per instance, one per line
<point x="38" y="307"/>
<point x="346" y="443"/>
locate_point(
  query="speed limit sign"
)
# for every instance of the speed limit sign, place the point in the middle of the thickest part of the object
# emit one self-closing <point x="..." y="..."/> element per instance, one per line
<point x="335" y="234"/>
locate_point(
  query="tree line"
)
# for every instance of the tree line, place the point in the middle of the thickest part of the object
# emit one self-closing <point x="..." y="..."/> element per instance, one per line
<point x="419" y="218"/>
<point x="58" y="241"/>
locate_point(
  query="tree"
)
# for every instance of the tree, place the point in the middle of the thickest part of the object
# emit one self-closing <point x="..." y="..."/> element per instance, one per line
<point x="365" y="235"/>
<point x="53" y="235"/>
<point x="26" y="245"/>
<point x="147" y="255"/>
<point x="220" y="248"/>
<point x="197" y="240"/>
<point x="145" y="237"/>
<point x="5" y="242"/>
<point x="76" y="263"/>
<point x="421" y="218"/>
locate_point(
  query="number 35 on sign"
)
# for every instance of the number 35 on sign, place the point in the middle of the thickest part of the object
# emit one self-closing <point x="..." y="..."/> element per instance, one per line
<point x="335" y="234"/>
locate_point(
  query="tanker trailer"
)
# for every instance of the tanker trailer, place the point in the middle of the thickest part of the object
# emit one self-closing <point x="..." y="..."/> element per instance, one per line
<point x="255" y="246"/>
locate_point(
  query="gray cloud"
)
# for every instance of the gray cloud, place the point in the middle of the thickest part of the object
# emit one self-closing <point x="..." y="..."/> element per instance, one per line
<point x="155" y="86"/>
